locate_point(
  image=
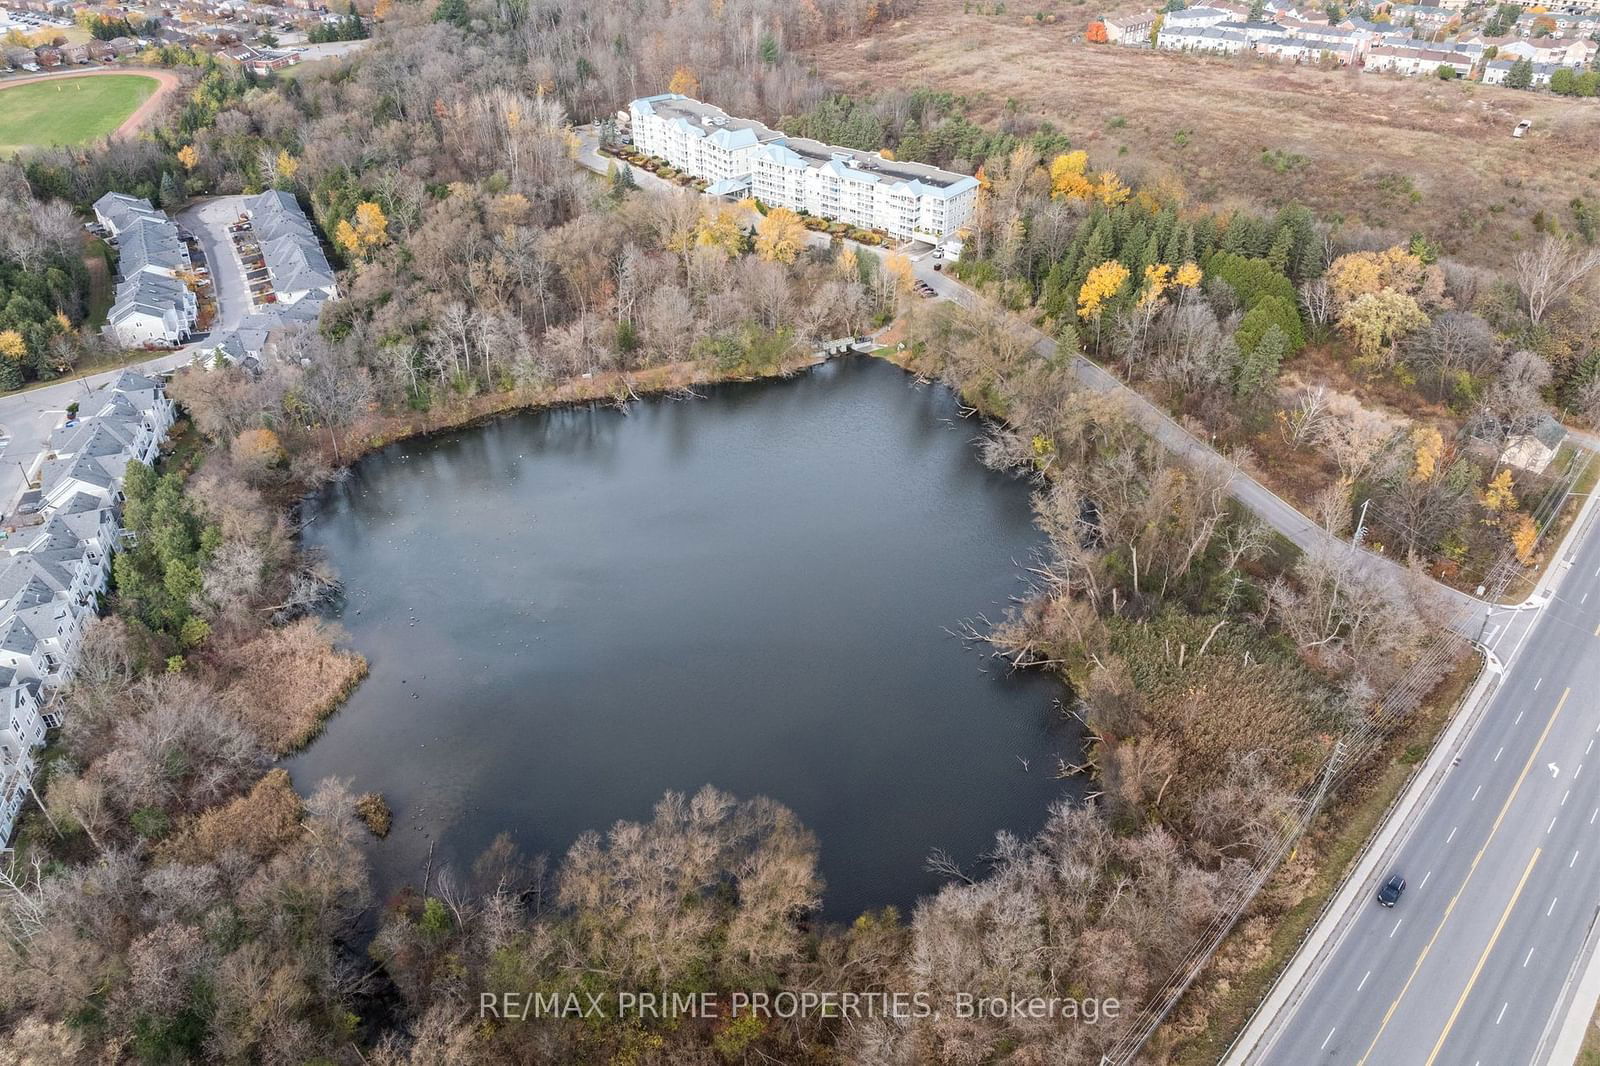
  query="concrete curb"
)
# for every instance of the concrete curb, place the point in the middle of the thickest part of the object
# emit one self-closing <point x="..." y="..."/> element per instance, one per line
<point x="1325" y="935"/>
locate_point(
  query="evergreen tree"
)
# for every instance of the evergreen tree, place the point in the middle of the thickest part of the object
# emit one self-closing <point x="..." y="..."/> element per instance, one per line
<point x="10" y="375"/>
<point x="1282" y="248"/>
<point x="1521" y="75"/>
<point x="169" y="196"/>
<point x="1259" y="363"/>
<point x="451" y="11"/>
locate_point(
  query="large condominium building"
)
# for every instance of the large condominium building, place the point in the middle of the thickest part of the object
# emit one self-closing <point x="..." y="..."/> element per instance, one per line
<point x="909" y="201"/>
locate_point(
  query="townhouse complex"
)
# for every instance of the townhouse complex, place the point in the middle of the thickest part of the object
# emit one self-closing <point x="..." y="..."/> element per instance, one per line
<point x="287" y="275"/>
<point x="1415" y="39"/>
<point x="741" y="157"/>
<point x="55" y="560"/>
<point x="155" y="304"/>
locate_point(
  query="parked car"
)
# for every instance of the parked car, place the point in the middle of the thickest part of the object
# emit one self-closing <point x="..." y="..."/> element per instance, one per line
<point x="1390" y="893"/>
<point x="1522" y="127"/>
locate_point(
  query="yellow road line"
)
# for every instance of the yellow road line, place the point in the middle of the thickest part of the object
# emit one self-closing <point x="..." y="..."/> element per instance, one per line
<point x="1476" y="970"/>
<point x="1389" y="1014"/>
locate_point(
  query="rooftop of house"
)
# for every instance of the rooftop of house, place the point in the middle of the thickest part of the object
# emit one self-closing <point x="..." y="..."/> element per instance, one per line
<point x="288" y="243"/>
<point x="149" y="240"/>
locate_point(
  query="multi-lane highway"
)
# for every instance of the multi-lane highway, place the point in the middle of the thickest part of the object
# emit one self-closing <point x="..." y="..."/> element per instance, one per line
<point x="1472" y="968"/>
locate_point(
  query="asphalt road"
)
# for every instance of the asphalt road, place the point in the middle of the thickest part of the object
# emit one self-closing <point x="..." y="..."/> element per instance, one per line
<point x="1503" y="865"/>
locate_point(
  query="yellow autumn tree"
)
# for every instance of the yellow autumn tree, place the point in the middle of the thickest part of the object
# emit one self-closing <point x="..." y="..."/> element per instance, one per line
<point x="62" y="321"/>
<point x="685" y="81"/>
<point x="1499" y="495"/>
<point x="1102" y="284"/>
<point x="1376" y="320"/>
<point x="1427" y="449"/>
<point x="1188" y="276"/>
<point x="898" y="267"/>
<point x="287" y="167"/>
<point x="1109" y="189"/>
<point x="381" y="9"/>
<point x="1524" y="538"/>
<point x="12" y="345"/>
<point x="189" y="156"/>
<point x="369" y="230"/>
<point x="1157" y="276"/>
<point x="780" y="236"/>
<point x="1069" y="176"/>
<point x="1356" y="274"/>
<point x="720" y="228"/>
<point x="848" y="264"/>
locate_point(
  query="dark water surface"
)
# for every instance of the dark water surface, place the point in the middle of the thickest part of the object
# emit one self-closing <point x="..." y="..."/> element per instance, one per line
<point x="568" y="613"/>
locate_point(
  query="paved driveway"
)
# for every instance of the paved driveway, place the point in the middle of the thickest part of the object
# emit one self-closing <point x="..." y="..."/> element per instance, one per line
<point x="209" y="222"/>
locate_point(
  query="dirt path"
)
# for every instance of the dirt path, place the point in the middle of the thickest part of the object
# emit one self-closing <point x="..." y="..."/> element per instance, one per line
<point x="166" y="81"/>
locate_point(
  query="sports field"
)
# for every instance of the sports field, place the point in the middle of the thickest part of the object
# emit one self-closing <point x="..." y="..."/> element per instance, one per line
<point x="69" y="110"/>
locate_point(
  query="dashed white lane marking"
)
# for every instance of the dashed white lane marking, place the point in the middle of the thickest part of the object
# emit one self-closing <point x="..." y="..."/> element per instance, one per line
<point x="1452" y="835"/>
<point x="1396" y="928"/>
<point x="1578" y="771"/>
<point x="1502" y="1013"/>
<point x="1499" y="753"/>
<point x="1475" y="792"/>
<point x="1574" y="861"/>
<point x="1328" y="1037"/>
<point x="1536" y="685"/>
<point x="1425" y="879"/>
<point x="1552" y="909"/>
<point x="1551" y="826"/>
<point x="1590" y="747"/>
<point x="1591" y="816"/>
<point x="1518" y="719"/>
<point x="1529" y="958"/>
<point x="1363" y="983"/>
<point x="1564" y="798"/>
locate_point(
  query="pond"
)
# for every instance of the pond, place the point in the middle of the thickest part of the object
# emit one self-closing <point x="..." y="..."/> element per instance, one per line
<point x="569" y="612"/>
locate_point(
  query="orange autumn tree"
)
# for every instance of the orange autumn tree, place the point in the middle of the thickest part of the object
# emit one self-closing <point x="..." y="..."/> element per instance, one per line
<point x="1096" y="33"/>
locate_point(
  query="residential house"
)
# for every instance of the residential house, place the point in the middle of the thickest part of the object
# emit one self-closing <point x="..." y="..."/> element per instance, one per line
<point x="1429" y="20"/>
<point x="75" y="53"/>
<point x="1216" y="38"/>
<point x="116" y="211"/>
<point x="1130" y="29"/>
<point x="1533" y="450"/>
<point x="1194" y="18"/>
<point x="53" y="572"/>
<point x="22" y="730"/>
<point x="1576" y="54"/>
<point x="295" y="261"/>
<point x="1496" y="71"/>
<point x="1417" y="59"/>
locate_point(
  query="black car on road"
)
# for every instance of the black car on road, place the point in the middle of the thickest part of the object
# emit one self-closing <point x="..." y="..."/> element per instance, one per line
<point x="1389" y="894"/>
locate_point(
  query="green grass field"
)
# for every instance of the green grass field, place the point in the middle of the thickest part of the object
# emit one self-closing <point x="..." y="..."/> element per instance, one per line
<point x="68" y="110"/>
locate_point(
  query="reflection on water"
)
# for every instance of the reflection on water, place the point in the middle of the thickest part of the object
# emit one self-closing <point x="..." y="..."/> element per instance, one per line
<point x="568" y="613"/>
